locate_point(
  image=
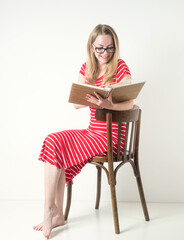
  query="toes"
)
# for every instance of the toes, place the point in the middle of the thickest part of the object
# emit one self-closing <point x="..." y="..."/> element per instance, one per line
<point x="38" y="227"/>
<point x="46" y="235"/>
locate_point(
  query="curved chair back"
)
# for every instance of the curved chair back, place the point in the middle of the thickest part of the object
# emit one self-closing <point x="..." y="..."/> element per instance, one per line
<point x="132" y="119"/>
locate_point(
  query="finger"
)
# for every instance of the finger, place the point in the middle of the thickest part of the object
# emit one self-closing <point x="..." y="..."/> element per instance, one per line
<point x="89" y="97"/>
<point x="98" y="96"/>
<point x="94" y="100"/>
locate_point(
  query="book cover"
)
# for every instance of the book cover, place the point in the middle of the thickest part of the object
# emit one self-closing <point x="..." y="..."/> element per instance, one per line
<point x="120" y="93"/>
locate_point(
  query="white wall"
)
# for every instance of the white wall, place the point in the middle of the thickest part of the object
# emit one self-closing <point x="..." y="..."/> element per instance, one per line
<point x="42" y="47"/>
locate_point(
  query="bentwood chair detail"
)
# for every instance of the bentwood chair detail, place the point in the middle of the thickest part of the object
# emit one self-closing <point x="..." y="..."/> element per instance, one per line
<point x="132" y="118"/>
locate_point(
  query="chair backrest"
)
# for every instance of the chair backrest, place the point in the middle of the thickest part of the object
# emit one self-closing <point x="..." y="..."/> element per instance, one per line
<point x="132" y="119"/>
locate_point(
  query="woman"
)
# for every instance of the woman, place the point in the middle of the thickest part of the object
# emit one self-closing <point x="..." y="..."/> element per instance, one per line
<point x="66" y="153"/>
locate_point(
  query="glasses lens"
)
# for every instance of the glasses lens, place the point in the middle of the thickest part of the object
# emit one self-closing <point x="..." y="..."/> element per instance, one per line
<point x="99" y="50"/>
<point x="111" y="50"/>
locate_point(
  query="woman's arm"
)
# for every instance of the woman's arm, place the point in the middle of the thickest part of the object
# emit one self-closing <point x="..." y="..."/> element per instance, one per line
<point x="125" y="80"/>
<point x="81" y="79"/>
<point x="123" y="105"/>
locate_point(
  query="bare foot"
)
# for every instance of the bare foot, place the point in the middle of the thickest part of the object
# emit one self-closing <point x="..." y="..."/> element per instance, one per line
<point x="49" y="213"/>
<point x="57" y="221"/>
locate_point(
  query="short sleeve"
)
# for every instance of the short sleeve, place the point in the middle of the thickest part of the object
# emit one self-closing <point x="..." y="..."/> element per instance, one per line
<point x="83" y="69"/>
<point x="122" y="69"/>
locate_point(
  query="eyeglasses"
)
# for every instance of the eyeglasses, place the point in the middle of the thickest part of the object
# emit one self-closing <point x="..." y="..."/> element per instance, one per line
<point x="102" y="50"/>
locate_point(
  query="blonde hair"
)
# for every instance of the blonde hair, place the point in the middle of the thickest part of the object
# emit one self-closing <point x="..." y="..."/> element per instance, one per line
<point x="92" y="62"/>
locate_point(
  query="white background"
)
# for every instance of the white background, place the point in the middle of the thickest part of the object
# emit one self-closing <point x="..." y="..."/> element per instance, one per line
<point x="42" y="47"/>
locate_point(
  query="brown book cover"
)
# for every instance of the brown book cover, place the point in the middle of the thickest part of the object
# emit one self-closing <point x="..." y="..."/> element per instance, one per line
<point x="120" y="93"/>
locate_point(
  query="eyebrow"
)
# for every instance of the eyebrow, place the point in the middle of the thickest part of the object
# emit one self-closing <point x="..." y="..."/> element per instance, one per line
<point x="107" y="45"/>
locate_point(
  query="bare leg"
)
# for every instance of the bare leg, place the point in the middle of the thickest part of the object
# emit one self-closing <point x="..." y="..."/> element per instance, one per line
<point x="59" y="220"/>
<point x="51" y="178"/>
<point x="54" y="181"/>
<point x="60" y="193"/>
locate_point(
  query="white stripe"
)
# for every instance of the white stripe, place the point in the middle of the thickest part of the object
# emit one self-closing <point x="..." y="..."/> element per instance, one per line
<point x="65" y="162"/>
<point x="121" y="75"/>
<point x="105" y="142"/>
<point x="69" y="145"/>
<point x="48" y="157"/>
<point x="55" y="152"/>
<point x="75" y="132"/>
<point x="76" y="143"/>
<point x="88" y="146"/>
<point x="80" y="145"/>
<point x="54" y="144"/>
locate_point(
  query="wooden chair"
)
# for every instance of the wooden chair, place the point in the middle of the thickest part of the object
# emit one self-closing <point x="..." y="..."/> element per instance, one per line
<point x="130" y="155"/>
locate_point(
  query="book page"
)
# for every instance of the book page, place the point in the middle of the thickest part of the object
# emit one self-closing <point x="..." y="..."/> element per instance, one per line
<point x="126" y="92"/>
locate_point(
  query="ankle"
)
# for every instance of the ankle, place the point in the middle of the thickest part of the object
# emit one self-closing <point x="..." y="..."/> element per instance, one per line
<point x="60" y="214"/>
<point x="49" y="206"/>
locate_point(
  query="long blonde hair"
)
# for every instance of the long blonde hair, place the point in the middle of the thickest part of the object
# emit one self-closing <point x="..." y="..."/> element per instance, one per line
<point x="92" y="62"/>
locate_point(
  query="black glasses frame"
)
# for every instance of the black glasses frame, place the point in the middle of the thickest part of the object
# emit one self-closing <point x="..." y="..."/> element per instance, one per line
<point x="104" y="49"/>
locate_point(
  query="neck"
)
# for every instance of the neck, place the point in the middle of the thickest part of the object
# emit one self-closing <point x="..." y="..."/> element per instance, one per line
<point x="101" y="67"/>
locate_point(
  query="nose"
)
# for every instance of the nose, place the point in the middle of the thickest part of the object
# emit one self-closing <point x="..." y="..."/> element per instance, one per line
<point x="105" y="53"/>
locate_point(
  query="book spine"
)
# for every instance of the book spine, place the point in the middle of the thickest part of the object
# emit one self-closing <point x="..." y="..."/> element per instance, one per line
<point x="108" y="92"/>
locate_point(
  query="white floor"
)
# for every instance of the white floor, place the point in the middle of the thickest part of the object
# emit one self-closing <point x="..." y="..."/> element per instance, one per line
<point x="166" y="221"/>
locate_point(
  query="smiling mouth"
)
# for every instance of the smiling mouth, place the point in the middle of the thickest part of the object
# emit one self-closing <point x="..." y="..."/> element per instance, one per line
<point x="105" y="57"/>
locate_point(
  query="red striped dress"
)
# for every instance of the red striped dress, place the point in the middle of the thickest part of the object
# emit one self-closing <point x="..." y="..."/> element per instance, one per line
<point x="72" y="149"/>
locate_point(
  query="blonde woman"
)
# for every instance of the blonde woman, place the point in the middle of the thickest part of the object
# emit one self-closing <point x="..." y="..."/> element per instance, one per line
<point x="66" y="153"/>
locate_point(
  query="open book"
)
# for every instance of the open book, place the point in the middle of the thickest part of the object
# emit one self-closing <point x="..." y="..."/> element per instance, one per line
<point x="120" y="92"/>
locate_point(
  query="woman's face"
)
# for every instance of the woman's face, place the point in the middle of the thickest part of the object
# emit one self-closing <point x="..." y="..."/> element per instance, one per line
<point x="103" y="41"/>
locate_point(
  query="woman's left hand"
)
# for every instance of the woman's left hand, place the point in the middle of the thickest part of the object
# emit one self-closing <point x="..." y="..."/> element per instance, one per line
<point x="99" y="101"/>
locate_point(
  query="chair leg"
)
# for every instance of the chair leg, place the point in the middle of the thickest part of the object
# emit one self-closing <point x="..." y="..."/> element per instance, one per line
<point x="114" y="201"/>
<point x="142" y="197"/>
<point x="99" y="173"/>
<point x="111" y="172"/>
<point x="68" y="202"/>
